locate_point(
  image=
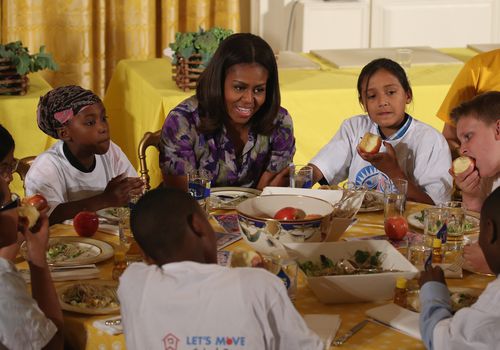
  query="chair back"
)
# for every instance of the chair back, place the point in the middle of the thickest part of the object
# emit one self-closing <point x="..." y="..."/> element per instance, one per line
<point x="23" y="166"/>
<point x="149" y="139"/>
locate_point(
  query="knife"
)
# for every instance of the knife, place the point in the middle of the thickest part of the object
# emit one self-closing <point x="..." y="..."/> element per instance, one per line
<point x="342" y="339"/>
<point x="72" y="267"/>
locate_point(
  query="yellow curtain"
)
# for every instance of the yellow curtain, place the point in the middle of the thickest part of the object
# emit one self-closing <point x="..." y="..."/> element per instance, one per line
<point x="88" y="37"/>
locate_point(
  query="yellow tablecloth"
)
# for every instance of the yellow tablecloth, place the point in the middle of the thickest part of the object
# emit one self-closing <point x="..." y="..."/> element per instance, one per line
<point x="82" y="335"/>
<point x="141" y="93"/>
<point x="18" y="115"/>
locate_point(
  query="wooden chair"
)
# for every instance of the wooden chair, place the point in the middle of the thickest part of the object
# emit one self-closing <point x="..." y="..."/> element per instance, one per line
<point x="149" y="139"/>
<point x="23" y="166"/>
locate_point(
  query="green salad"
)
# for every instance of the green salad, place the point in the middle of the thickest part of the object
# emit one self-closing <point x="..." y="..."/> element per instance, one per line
<point x="362" y="262"/>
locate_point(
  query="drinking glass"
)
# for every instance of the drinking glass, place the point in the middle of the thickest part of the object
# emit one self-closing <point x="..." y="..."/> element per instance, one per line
<point x="301" y="176"/>
<point x="418" y="251"/>
<point x="450" y="223"/>
<point x="285" y="267"/>
<point x="128" y="245"/>
<point x="404" y="58"/>
<point x="199" y="186"/>
<point x="394" y="197"/>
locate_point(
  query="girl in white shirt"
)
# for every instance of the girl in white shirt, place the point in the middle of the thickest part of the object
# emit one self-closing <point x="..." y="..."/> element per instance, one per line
<point x="411" y="150"/>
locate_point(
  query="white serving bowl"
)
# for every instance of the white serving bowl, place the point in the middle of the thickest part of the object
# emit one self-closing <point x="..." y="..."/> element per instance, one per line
<point x="354" y="288"/>
<point x="267" y="235"/>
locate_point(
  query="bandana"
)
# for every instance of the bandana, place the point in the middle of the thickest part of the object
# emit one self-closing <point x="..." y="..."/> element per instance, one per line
<point x="60" y="105"/>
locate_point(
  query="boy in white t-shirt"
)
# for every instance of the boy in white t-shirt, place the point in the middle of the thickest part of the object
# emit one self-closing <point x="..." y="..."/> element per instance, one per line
<point x="84" y="170"/>
<point x="411" y="150"/>
<point x="185" y="300"/>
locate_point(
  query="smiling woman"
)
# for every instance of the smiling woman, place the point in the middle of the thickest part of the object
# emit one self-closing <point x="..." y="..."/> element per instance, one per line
<point x="234" y="128"/>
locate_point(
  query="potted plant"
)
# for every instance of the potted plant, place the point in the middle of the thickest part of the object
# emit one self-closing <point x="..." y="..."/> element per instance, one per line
<point x="192" y="52"/>
<point x="16" y="62"/>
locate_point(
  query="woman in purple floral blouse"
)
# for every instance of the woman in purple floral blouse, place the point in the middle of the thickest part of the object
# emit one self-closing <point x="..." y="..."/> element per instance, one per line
<point x="234" y="128"/>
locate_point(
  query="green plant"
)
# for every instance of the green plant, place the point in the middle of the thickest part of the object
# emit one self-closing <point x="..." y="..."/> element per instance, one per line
<point x="24" y="61"/>
<point x="203" y="42"/>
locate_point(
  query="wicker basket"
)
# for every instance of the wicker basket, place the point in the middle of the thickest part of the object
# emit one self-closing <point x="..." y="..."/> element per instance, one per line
<point x="187" y="72"/>
<point x="11" y="83"/>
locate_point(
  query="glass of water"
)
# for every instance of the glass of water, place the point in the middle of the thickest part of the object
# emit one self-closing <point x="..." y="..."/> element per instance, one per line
<point x="301" y="176"/>
<point x="418" y="251"/>
<point x="199" y="186"/>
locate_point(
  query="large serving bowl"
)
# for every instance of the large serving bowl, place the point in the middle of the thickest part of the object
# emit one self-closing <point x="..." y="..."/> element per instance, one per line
<point x="267" y="235"/>
<point x="356" y="287"/>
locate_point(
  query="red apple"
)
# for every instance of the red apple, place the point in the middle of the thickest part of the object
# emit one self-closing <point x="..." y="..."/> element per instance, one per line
<point x="28" y="213"/>
<point x="370" y="143"/>
<point x="289" y="213"/>
<point x="38" y="201"/>
<point x="86" y="223"/>
<point x="462" y="163"/>
<point x="396" y="227"/>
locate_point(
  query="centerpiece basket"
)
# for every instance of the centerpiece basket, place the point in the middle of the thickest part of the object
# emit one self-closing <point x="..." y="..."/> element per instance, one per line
<point x="15" y="64"/>
<point x="192" y="52"/>
<point x="12" y="83"/>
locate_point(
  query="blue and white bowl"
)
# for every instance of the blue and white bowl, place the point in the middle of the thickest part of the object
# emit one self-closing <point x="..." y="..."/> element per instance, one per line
<point x="267" y="235"/>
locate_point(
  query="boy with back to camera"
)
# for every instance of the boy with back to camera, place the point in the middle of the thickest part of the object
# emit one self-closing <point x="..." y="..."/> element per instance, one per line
<point x="85" y="170"/>
<point x="186" y="298"/>
<point x="478" y="129"/>
<point x="474" y="327"/>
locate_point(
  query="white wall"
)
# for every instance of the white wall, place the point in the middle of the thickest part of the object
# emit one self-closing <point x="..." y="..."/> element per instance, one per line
<point x="317" y="24"/>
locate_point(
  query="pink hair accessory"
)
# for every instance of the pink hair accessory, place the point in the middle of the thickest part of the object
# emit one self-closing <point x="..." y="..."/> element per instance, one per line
<point x="63" y="116"/>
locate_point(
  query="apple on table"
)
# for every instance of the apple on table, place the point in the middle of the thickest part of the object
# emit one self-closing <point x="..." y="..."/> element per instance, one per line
<point x="86" y="223"/>
<point x="396" y="227"/>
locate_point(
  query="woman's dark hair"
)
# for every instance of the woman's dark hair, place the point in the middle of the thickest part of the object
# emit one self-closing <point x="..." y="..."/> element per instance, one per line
<point x="6" y="142"/>
<point x="388" y="65"/>
<point x="236" y="49"/>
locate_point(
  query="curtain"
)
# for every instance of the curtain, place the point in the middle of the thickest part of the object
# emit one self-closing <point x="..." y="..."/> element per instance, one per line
<point x="88" y="37"/>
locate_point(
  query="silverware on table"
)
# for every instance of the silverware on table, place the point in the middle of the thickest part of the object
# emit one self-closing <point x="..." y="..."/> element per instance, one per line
<point x="71" y="267"/>
<point x="342" y="339"/>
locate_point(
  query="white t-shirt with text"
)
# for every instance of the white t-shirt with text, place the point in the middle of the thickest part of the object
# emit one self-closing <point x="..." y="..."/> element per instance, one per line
<point x="187" y="305"/>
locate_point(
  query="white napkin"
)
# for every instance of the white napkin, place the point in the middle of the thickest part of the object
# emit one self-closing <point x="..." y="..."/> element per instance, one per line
<point x="332" y="196"/>
<point x="112" y="329"/>
<point x="448" y="273"/>
<point x="338" y="227"/>
<point x="67" y="274"/>
<point x="103" y="227"/>
<point x="399" y="318"/>
<point x="325" y="326"/>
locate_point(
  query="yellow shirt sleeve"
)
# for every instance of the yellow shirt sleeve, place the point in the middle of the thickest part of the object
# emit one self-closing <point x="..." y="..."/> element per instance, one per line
<point x="478" y="75"/>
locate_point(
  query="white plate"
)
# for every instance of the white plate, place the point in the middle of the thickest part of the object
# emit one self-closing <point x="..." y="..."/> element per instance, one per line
<point x="88" y="310"/>
<point x="229" y="197"/>
<point x="414" y="298"/>
<point x="415" y="223"/>
<point x="109" y="214"/>
<point x="91" y="251"/>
